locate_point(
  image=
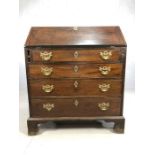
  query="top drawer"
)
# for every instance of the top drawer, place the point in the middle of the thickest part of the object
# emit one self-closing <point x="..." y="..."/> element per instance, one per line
<point x="76" y="55"/>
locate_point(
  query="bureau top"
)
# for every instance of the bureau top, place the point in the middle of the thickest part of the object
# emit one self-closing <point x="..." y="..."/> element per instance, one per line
<point x="75" y="36"/>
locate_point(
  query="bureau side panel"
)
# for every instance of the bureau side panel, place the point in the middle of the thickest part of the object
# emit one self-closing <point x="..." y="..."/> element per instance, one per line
<point x="123" y="49"/>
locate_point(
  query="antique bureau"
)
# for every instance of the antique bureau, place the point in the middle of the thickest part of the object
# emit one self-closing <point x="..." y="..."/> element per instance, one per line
<point x="75" y="74"/>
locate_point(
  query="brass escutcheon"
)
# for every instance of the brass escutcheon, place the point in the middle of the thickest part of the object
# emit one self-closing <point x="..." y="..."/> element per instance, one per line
<point x="76" y="102"/>
<point x="76" y="54"/>
<point x="76" y="84"/>
<point x="76" y="68"/>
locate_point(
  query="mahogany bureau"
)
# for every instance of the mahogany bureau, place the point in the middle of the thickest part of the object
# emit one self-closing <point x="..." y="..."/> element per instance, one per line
<point x="75" y="74"/>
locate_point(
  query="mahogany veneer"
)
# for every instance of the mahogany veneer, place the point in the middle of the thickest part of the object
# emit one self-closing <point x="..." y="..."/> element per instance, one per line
<point x="75" y="74"/>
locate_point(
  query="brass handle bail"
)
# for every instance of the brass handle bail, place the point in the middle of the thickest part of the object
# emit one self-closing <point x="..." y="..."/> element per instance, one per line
<point x="47" y="88"/>
<point x="48" y="106"/>
<point x="105" y="55"/>
<point x="105" y="70"/>
<point x="46" y="70"/>
<point x="45" y="56"/>
<point x="104" y="106"/>
<point x="104" y="87"/>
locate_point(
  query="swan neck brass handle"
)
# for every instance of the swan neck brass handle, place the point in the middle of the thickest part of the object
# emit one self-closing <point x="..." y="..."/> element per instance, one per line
<point x="46" y="70"/>
<point x="105" y="55"/>
<point x="104" y="106"/>
<point x="47" y="88"/>
<point x="105" y="70"/>
<point x="48" y="106"/>
<point x="104" y="87"/>
<point x="45" y="56"/>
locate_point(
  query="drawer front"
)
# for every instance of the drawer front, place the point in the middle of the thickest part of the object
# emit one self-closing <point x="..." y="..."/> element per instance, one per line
<point x="75" y="87"/>
<point x="75" y="107"/>
<point x="77" y="70"/>
<point x="77" y="55"/>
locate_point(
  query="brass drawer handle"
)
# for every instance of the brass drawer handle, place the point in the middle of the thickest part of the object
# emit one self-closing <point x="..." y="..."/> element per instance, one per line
<point x="105" y="70"/>
<point x="104" y="106"/>
<point x="45" y="56"/>
<point x="46" y="70"/>
<point x="48" y="106"/>
<point x="104" y="87"/>
<point x="47" y="88"/>
<point x="105" y="55"/>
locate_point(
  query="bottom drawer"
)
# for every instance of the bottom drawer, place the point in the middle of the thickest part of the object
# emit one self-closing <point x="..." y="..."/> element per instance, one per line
<point x="75" y="107"/>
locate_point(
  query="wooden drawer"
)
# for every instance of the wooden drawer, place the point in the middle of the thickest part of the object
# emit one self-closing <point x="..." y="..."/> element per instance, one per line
<point x="75" y="87"/>
<point x="77" y="70"/>
<point x="76" y="54"/>
<point x="75" y="107"/>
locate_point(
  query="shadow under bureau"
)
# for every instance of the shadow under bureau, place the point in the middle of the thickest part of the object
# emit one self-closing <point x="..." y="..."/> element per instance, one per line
<point x="75" y="74"/>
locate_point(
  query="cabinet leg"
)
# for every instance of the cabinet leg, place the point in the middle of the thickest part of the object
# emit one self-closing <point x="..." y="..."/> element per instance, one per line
<point x="32" y="127"/>
<point x="119" y="121"/>
<point x="119" y="126"/>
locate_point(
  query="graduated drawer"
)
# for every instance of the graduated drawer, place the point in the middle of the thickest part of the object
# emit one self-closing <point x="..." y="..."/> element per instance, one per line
<point x="76" y="54"/>
<point x="75" y="87"/>
<point x="75" y="107"/>
<point x="78" y="70"/>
